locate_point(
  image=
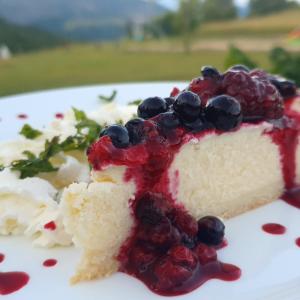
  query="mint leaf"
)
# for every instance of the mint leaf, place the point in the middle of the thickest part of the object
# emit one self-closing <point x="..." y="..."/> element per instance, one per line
<point x="79" y="114"/>
<point x="29" y="132"/>
<point x="109" y="98"/>
<point x="135" y="102"/>
<point x="51" y="148"/>
<point x="32" y="167"/>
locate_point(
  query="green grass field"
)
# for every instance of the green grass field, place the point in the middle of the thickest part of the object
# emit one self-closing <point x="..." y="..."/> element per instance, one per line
<point x="88" y="64"/>
<point x="271" y="26"/>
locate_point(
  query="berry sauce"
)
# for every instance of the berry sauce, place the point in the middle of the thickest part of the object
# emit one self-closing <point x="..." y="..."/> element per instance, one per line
<point x="50" y="263"/>
<point x="164" y="254"/>
<point x="22" y="116"/>
<point x="274" y="228"/>
<point x="59" y="116"/>
<point x="50" y="226"/>
<point x="2" y="257"/>
<point x="11" y="282"/>
<point x="298" y="242"/>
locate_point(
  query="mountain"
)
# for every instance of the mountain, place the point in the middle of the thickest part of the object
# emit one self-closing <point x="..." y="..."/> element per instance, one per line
<point x="78" y="19"/>
<point x="24" y="38"/>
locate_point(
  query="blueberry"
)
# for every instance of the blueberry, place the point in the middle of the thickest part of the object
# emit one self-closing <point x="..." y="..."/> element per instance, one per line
<point x="287" y="88"/>
<point x="148" y="212"/>
<point x="210" y="72"/>
<point x="168" y="120"/>
<point x="135" y="130"/>
<point x="211" y="231"/>
<point x="188" y="106"/>
<point x="152" y="107"/>
<point x="195" y="126"/>
<point x="170" y="101"/>
<point x="118" y="134"/>
<point x="224" y="112"/>
<point x="240" y="68"/>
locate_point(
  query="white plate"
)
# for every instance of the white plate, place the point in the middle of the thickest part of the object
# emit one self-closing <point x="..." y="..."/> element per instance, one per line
<point x="270" y="264"/>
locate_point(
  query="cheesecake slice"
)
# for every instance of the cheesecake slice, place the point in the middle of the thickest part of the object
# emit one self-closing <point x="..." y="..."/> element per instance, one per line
<point x="225" y="145"/>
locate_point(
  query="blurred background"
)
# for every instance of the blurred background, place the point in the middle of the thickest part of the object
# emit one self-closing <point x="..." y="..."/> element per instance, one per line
<point x="56" y="43"/>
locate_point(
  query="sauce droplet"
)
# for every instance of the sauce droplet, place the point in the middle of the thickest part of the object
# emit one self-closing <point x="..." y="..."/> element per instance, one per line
<point x="22" y="116"/>
<point x="274" y="228"/>
<point x="298" y="242"/>
<point x="2" y="257"/>
<point x="292" y="197"/>
<point x="50" y="226"/>
<point x="59" y="116"/>
<point x="11" y="282"/>
<point x="50" y="263"/>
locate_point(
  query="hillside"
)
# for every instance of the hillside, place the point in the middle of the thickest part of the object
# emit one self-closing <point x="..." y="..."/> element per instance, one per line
<point x="82" y="20"/>
<point x="269" y="26"/>
<point x="23" y="39"/>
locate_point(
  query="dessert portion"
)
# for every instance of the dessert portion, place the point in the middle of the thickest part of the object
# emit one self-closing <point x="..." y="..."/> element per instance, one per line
<point x="36" y="167"/>
<point x="226" y="144"/>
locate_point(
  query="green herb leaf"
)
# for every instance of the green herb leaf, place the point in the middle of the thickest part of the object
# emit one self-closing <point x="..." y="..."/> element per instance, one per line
<point x="1" y="167"/>
<point x="79" y="114"/>
<point x="135" y="102"/>
<point x="29" y="132"/>
<point x="51" y="148"/>
<point x="29" y="155"/>
<point x="31" y="167"/>
<point x="109" y="98"/>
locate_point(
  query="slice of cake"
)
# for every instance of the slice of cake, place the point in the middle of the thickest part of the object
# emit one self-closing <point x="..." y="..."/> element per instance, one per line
<point x="225" y="145"/>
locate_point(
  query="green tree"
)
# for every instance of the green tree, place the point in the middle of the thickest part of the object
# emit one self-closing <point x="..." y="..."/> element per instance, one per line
<point x="218" y="10"/>
<point x="189" y="17"/>
<point x="264" y="7"/>
<point x="237" y="57"/>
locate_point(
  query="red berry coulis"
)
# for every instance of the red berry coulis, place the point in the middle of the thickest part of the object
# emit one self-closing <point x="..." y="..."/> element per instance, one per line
<point x="11" y="282"/>
<point x="50" y="262"/>
<point x="149" y="252"/>
<point x="2" y="257"/>
<point x="50" y="226"/>
<point x="298" y="242"/>
<point x="59" y="116"/>
<point x="22" y="116"/>
<point x="274" y="228"/>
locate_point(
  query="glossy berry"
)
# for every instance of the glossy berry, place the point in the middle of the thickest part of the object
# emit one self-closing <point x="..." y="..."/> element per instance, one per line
<point x="186" y="224"/>
<point x="182" y="255"/>
<point x="118" y="134"/>
<point x="211" y="231"/>
<point x="152" y="107"/>
<point x="240" y="68"/>
<point x="148" y="211"/>
<point x="257" y="95"/>
<point x="142" y="258"/>
<point x="205" y="254"/>
<point x="287" y="88"/>
<point x="188" y="106"/>
<point x="210" y="72"/>
<point x="170" y="275"/>
<point x="205" y="88"/>
<point x="168" y="120"/>
<point x="135" y="130"/>
<point x="170" y="101"/>
<point x="224" y="112"/>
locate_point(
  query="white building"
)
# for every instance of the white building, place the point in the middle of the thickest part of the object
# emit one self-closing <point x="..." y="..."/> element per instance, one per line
<point x="4" y="52"/>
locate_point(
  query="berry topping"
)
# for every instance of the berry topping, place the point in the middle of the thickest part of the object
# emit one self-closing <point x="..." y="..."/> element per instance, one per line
<point x="188" y="106"/>
<point x="287" y="88"/>
<point x="175" y="92"/>
<point x="256" y="94"/>
<point x="210" y="72"/>
<point x="135" y="130"/>
<point x="170" y="101"/>
<point x="152" y="107"/>
<point x="183" y="256"/>
<point x="205" y="88"/>
<point x="168" y="120"/>
<point x="206" y="254"/>
<point x="169" y="274"/>
<point x="142" y="258"/>
<point x="118" y="135"/>
<point x="186" y="224"/>
<point x="211" y="230"/>
<point x="240" y="68"/>
<point x="224" y="112"/>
